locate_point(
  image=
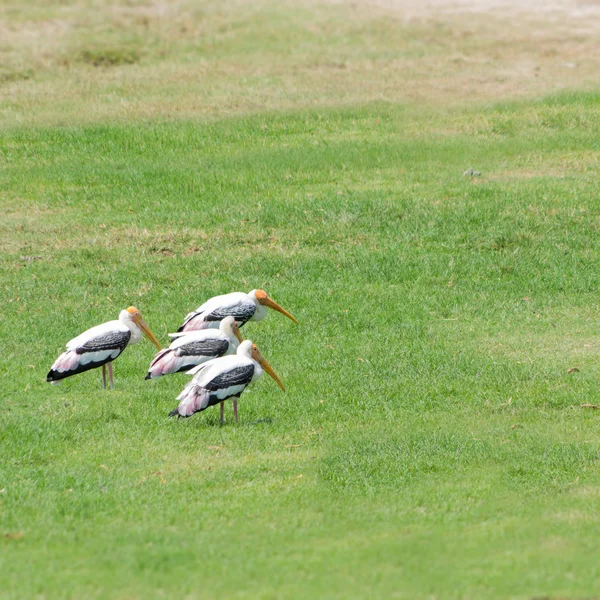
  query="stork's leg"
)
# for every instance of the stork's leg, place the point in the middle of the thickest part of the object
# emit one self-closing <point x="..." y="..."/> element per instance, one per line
<point x="112" y="385"/>
<point x="235" y="415"/>
<point x="222" y="405"/>
<point x="103" y="377"/>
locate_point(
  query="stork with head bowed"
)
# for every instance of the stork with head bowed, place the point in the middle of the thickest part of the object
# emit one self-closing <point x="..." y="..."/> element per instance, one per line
<point x="100" y="345"/>
<point x="192" y="348"/>
<point x="242" y="307"/>
<point x="221" y="378"/>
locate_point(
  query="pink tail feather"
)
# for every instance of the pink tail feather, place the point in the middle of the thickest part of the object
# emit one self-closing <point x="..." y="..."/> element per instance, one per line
<point x="66" y="361"/>
<point x="192" y="399"/>
<point x="161" y="364"/>
<point x="167" y="362"/>
<point x="195" y="324"/>
<point x="64" y="365"/>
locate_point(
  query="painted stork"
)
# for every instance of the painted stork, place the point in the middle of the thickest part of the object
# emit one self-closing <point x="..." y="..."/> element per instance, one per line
<point x="221" y="378"/>
<point x="190" y="349"/>
<point x="100" y="345"/>
<point x="243" y="307"/>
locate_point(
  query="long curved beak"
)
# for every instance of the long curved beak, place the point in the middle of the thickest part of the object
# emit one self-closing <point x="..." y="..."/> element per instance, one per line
<point x="236" y="332"/>
<point x="269" y="369"/>
<point x="271" y="304"/>
<point x="146" y="331"/>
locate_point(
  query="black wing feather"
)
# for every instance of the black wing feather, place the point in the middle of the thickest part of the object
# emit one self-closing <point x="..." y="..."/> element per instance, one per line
<point x="214" y="347"/>
<point x="240" y="312"/>
<point x="237" y="376"/>
<point x="108" y="341"/>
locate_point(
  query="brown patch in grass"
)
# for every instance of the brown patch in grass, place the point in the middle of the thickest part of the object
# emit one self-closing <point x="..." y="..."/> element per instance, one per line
<point x="167" y="243"/>
<point x="558" y="166"/>
<point x="523" y="174"/>
<point x="11" y="76"/>
<point x="109" y="57"/>
<point x="529" y="347"/>
<point x="586" y="491"/>
<point x="236" y="57"/>
<point x="573" y="516"/>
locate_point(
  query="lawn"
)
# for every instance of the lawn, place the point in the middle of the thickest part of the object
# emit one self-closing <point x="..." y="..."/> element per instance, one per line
<point x="438" y="436"/>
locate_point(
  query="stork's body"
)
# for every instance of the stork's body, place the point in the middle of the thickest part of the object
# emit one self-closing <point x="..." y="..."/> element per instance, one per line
<point x="242" y="307"/>
<point x="222" y="378"/>
<point x="100" y="345"/>
<point x="190" y="349"/>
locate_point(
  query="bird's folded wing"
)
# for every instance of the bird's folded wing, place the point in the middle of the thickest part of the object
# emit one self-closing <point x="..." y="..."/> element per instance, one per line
<point x="208" y="347"/>
<point x="212" y="369"/>
<point x="185" y="337"/>
<point x="241" y="312"/>
<point x="195" y="370"/>
<point x="224" y="300"/>
<point x="113" y="340"/>
<point x="238" y="376"/>
<point x="96" y="332"/>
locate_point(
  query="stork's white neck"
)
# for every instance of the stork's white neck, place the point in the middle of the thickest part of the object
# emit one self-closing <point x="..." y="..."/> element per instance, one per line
<point x="127" y="320"/>
<point x="226" y="327"/>
<point x="245" y="350"/>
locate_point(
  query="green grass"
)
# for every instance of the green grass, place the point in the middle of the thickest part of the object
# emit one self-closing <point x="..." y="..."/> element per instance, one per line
<point x="431" y="442"/>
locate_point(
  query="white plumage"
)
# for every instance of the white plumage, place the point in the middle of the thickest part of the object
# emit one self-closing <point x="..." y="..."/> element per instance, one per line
<point x="100" y="345"/>
<point x="99" y="331"/>
<point x="223" y="378"/>
<point x="193" y="348"/>
<point x="242" y="307"/>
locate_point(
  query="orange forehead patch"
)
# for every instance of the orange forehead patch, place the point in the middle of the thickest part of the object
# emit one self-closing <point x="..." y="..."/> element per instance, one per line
<point x="132" y="310"/>
<point x="261" y="294"/>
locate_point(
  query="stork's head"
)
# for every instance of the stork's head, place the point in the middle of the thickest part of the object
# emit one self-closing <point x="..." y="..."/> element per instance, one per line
<point x="136" y="317"/>
<point x="230" y="327"/>
<point x="263" y="298"/>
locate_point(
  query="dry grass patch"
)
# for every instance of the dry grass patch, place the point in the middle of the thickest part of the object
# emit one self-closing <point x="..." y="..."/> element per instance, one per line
<point x="91" y="61"/>
<point x="541" y="338"/>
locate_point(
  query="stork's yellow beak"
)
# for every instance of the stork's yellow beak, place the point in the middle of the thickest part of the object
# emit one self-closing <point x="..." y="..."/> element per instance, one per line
<point x="271" y="304"/>
<point x="269" y="369"/>
<point x="146" y="331"/>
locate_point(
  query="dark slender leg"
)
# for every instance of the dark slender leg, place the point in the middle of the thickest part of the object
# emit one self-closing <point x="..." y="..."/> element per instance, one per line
<point x="112" y="385"/>
<point x="235" y="415"/>
<point x="103" y="377"/>
<point x="222" y="405"/>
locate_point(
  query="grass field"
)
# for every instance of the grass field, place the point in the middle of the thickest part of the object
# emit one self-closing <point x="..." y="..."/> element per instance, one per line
<point x="438" y="437"/>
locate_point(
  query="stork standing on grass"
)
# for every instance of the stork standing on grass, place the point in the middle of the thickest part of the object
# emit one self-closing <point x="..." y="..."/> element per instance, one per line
<point x="242" y="307"/>
<point x="193" y="348"/>
<point x="100" y="345"/>
<point x="221" y="378"/>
